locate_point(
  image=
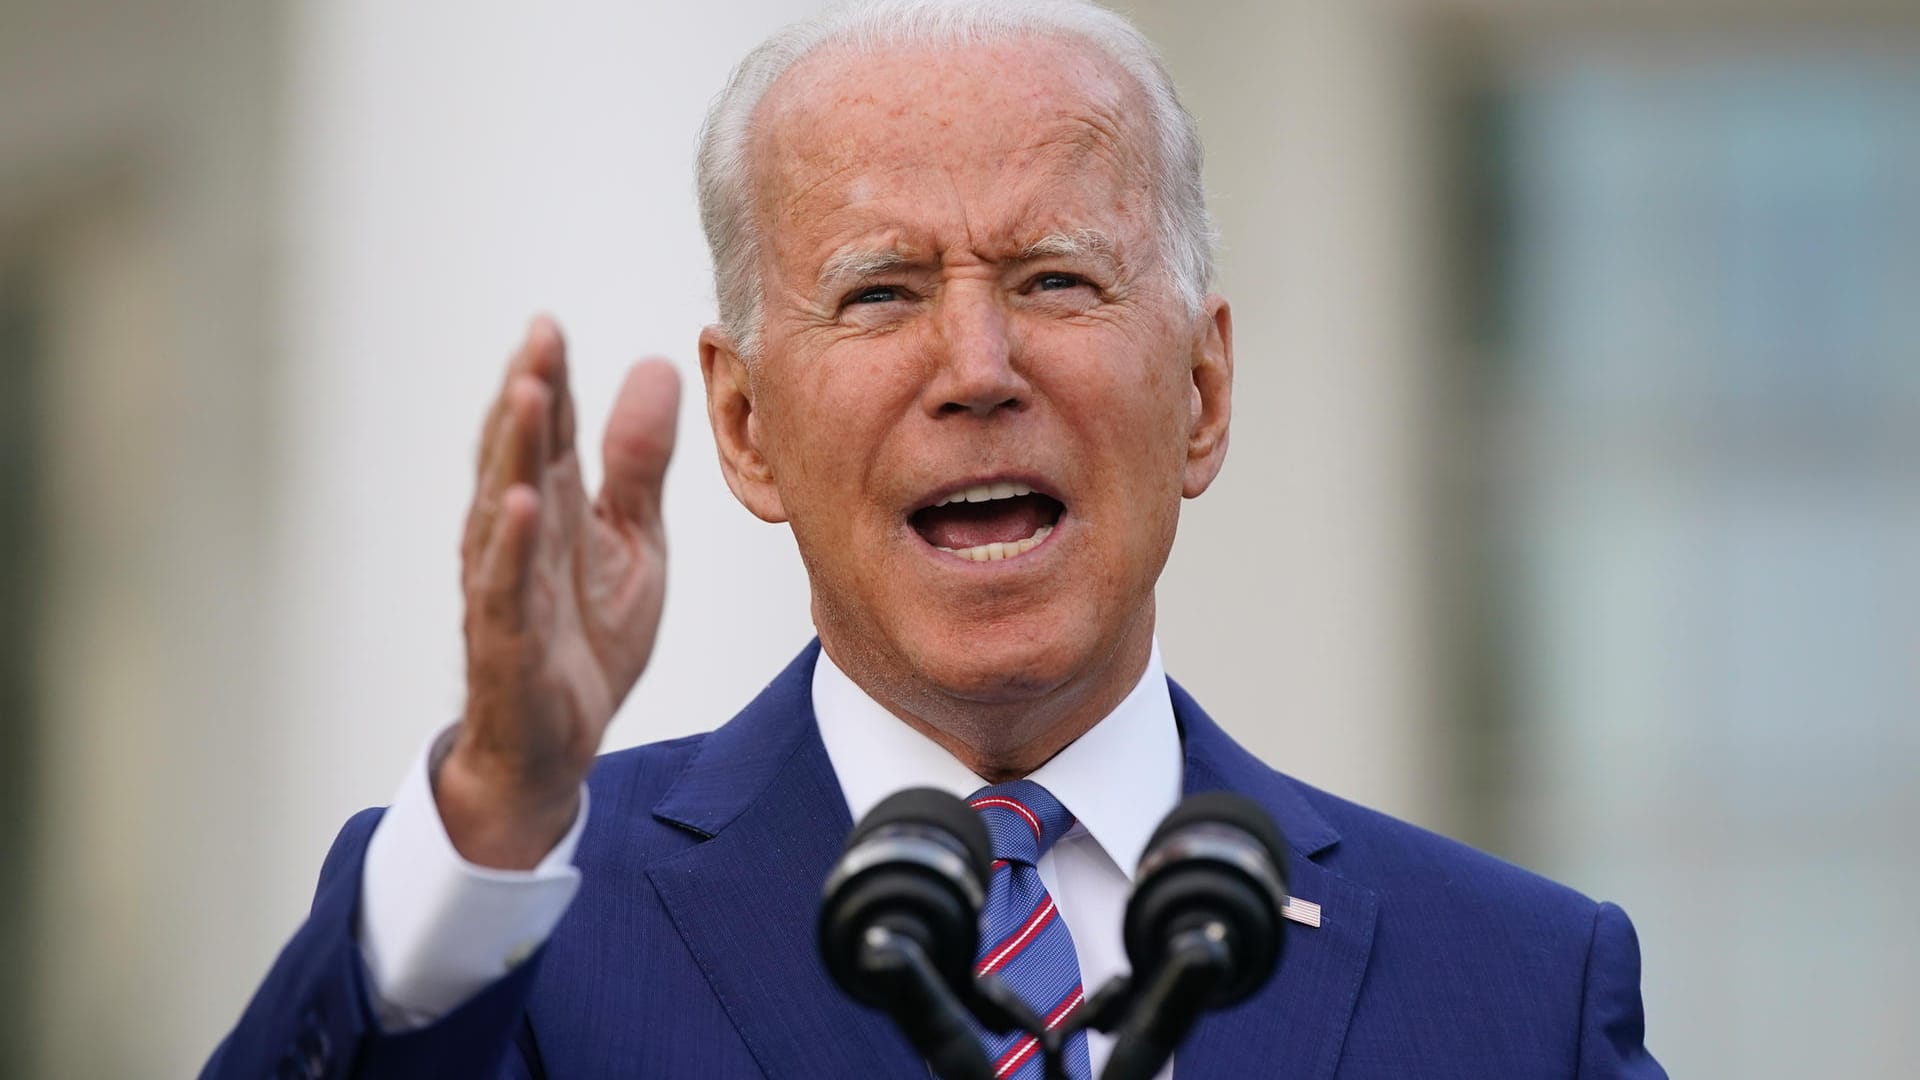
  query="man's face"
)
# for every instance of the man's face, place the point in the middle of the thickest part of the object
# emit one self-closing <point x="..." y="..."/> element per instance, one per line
<point x="979" y="400"/>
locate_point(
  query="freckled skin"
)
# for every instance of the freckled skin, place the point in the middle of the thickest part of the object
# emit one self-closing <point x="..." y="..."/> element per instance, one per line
<point x="1084" y="372"/>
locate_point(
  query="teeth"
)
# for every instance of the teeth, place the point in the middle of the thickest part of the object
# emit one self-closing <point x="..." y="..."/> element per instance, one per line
<point x="987" y="492"/>
<point x="997" y="551"/>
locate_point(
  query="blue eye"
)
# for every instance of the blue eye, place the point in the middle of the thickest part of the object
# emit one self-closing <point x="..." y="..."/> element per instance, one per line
<point x="879" y="294"/>
<point x="1056" y="282"/>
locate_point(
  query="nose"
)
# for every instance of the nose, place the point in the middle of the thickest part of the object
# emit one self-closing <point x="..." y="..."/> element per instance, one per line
<point x="975" y="353"/>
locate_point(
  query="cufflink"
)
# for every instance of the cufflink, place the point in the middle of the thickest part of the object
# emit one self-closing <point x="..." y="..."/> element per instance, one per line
<point x="519" y="953"/>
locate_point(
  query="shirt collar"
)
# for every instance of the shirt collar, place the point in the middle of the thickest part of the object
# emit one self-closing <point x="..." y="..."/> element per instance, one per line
<point x="1119" y="779"/>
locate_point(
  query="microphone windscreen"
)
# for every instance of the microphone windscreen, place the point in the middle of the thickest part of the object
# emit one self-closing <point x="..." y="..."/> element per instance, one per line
<point x="1227" y="808"/>
<point x="935" y="809"/>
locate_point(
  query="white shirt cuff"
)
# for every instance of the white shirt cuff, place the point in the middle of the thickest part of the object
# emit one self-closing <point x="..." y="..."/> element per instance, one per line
<point x="435" y="929"/>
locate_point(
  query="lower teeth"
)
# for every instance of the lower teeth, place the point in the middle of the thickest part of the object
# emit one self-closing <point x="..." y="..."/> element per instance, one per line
<point x="996" y="551"/>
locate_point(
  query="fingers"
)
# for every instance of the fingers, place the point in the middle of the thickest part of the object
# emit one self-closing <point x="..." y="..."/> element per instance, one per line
<point x="526" y="441"/>
<point x="516" y="455"/>
<point x="542" y="354"/>
<point x="639" y="442"/>
<point x="536" y="378"/>
<point x="499" y="587"/>
<point x="548" y="362"/>
<point x="503" y="535"/>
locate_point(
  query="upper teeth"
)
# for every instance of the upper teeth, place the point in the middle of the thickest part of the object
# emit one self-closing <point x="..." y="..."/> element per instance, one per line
<point x="984" y="492"/>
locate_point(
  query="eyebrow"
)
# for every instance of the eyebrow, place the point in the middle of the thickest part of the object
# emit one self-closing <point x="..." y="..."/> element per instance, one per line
<point x="854" y="264"/>
<point x="1079" y="243"/>
<point x="851" y="264"/>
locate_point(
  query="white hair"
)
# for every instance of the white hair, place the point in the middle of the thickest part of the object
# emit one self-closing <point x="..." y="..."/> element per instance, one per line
<point x="723" y="170"/>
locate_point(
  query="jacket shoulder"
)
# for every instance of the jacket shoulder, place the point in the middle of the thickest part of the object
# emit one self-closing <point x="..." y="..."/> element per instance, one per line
<point x="1414" y="871"/>
<point x="1463" y="936"/>
<point x="1414" y="864"/>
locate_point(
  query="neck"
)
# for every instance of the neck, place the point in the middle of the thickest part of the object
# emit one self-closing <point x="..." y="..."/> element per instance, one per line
<point x="1003" y="738"/>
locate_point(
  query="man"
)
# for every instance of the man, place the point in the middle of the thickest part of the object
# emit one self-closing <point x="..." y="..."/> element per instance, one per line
<point x="967" y="353"/>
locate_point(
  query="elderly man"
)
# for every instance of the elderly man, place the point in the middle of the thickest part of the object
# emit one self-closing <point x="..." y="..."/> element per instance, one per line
<point x="967" y="353"/>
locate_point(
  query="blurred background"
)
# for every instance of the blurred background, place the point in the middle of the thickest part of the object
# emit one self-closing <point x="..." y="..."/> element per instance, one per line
<point x="1574" y="504"/>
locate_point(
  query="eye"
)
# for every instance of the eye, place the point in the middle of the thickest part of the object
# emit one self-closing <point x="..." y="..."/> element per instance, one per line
<point x="1054" y="282"/>
<point x="875" y="294"/>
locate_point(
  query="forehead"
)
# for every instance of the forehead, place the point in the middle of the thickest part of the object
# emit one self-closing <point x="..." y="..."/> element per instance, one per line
<point x="988" y="144"/>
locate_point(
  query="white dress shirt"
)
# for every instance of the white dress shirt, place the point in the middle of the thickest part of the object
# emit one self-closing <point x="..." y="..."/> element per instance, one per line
<point x="435" y="929"/>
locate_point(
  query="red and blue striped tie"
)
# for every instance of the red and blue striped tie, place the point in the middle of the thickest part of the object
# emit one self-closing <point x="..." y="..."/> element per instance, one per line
<point x="1022" y="937"/>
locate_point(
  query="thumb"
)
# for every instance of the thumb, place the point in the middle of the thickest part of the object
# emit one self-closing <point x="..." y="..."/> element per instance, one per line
<point x="639" y="441"/>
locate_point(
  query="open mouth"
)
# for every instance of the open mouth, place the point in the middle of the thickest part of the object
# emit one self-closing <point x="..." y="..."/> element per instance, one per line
<point x="989" y="522"/>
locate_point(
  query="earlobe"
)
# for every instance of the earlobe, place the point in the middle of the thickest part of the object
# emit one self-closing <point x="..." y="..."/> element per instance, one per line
<point x="1210" y="398"/>
<point x="737" y="426"/>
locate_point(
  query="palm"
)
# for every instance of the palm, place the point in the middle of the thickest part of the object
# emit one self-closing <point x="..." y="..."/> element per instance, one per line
<point x="597" y="592"/>
<point x="563" y="595"/>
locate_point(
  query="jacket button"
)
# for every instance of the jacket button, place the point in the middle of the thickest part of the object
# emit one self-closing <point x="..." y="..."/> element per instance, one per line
<point x="316" y="1053"/>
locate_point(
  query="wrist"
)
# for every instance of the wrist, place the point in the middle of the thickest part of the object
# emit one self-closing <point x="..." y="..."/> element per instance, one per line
<point x="492" y="814"/>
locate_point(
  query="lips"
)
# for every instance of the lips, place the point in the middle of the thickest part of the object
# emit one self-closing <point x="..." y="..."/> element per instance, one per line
<point x="987" y="522"/>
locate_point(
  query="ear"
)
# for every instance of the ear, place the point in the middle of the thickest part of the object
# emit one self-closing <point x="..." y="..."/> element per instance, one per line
<point x="1211" y="399"/>
<point x="736" y="427"/>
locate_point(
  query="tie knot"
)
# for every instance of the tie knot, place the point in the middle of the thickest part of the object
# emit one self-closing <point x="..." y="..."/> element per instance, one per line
<point x="1023" y="818"/>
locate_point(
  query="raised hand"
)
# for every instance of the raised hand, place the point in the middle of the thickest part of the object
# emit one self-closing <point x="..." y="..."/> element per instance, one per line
<point x="563" y="600"/>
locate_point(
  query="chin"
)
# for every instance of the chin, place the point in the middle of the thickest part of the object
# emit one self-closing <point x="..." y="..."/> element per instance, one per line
<point x="933" y="634"/>
<point x="1005" y="661"/>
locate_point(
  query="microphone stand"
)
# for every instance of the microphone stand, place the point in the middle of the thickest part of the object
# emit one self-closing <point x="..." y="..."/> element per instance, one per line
<point x="1196" y="962"/>
<point x="936" y="1026"/>
<point x="1001" y="1011"/>
<point x="1162" y="1011"/>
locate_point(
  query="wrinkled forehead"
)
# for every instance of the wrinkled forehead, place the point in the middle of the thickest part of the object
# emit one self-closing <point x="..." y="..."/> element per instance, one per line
<point x="1034" y="133"/>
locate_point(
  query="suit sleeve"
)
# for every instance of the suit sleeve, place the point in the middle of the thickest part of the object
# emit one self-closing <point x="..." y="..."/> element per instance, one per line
<point x="313" y="1017"/>
<point x="1613" y="1026"/>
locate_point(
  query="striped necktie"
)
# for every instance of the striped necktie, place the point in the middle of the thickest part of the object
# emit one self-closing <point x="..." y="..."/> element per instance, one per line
<point x="1022" y="937"/>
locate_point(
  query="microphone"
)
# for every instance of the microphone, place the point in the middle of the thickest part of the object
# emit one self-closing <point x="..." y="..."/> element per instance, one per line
<point x="900" y="922"/>
<point x="1203" y="928"/>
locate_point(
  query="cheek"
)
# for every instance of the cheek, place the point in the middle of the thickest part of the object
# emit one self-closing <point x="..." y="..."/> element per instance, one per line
<point x="1132" y="439"/>
<point x="1139" y="416"/>
<point x="829" y="424"/>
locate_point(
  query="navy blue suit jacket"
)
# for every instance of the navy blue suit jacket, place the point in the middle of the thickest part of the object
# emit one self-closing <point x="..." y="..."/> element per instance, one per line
<point x="689" y="951"/>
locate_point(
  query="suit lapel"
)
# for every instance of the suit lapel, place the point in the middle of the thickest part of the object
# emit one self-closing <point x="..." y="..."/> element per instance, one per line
<point x="762" y="792"/>
<point x="1297" y="1024"/>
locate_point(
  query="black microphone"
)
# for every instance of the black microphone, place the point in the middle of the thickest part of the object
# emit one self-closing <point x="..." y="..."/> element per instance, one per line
<point x="900" y="922"/>
<point x="1203" y="928"/>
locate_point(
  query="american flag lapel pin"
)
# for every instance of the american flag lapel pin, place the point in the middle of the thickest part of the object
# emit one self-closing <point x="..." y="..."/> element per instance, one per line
<point x="1304" y="912"/>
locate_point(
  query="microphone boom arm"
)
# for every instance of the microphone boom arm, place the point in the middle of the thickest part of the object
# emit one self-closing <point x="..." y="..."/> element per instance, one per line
<point x="931" y="1018"/>
<point x="1197" y="961"/>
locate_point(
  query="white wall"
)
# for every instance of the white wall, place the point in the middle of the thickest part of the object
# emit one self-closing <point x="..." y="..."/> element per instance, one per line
<point x="1297" y="602"/>
<point x="135" y="177"/>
